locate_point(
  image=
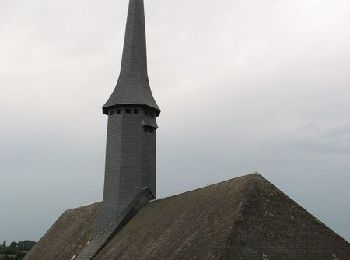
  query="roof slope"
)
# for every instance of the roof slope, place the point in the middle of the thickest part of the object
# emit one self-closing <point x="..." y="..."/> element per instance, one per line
<point x="67" y="235"/>
<point x="244" y="218"/>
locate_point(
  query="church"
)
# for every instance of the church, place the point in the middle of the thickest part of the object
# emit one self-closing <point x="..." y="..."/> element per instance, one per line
<point x="243" y="218"/>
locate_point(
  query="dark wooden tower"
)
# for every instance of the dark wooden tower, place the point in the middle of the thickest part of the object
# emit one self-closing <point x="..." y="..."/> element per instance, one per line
<point x="131" y="131"/>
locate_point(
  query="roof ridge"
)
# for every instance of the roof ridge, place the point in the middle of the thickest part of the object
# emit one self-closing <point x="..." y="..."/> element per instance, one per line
<point x="250" y="194"/>
<point x="250" y="175"/>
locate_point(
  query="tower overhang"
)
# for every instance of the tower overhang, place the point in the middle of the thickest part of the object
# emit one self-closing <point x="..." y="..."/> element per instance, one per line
<point x="106" y="109"/>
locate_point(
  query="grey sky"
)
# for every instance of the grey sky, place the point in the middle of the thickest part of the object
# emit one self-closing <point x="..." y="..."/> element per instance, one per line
<point x="243" y="85"/>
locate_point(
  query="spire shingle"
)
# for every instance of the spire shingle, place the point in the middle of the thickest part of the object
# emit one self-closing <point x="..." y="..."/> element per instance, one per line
<point x="133" y="84"/>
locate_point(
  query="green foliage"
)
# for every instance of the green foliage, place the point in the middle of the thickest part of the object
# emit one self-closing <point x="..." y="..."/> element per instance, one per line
<point x="16" y="250"/>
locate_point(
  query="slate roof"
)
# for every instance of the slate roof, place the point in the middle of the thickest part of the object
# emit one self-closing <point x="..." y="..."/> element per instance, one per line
<point x="133" y="83"/>
<point x="244" y="218"/>
<point x="68" y="234"/>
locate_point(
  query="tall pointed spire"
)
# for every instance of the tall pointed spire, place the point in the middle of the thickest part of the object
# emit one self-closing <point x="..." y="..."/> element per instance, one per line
<point x="133" y="84"/>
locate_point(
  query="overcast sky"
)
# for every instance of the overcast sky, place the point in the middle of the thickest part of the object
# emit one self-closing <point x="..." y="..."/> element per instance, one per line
<point x="243" y="85"/>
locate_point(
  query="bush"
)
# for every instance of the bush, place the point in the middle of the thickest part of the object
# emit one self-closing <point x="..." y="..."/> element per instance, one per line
<point x="16" y="250"/>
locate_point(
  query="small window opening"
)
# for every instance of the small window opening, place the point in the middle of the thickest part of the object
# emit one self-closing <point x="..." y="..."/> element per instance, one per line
<point x="118" y="111"/>
<point x="146" y="113"/>
<point x="136" y="111"/>
<point x="128" y="111"/>
<point x="112" y="112"/>
<point x="149" y="129"/>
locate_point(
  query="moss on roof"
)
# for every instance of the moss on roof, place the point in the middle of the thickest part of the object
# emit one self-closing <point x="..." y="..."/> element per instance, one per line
<point x="244" y="218"/>
<point x="67" y="235"/>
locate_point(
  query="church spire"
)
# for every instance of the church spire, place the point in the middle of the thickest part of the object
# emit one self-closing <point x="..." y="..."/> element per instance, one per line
<point x="133" y="84"/>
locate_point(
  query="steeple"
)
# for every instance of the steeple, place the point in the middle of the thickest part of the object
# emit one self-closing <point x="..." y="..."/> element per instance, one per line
<point x="133" y="84"/>
<point x="131" y="130"/>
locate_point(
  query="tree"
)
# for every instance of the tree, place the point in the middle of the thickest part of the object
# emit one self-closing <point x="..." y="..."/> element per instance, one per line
<point x="13" y="246"/>
<point x="16" y="250"/>
<point x="3" y="247"/>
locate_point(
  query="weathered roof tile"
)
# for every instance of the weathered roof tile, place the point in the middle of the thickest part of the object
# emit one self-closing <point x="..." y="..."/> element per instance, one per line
<point x="244" y="218"/>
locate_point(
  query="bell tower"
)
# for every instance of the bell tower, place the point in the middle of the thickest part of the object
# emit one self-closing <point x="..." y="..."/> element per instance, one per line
<point x="131" y="130"/>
